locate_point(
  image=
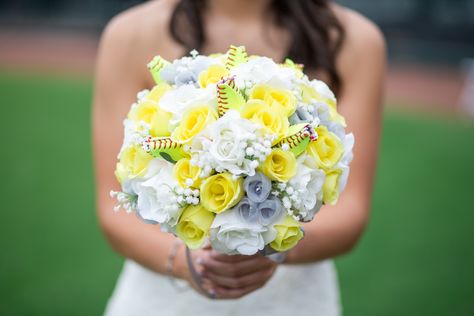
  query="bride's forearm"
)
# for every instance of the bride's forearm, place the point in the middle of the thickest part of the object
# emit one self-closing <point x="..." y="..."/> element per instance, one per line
<point x="334" y="231"/>
<point x="141" y="242"/>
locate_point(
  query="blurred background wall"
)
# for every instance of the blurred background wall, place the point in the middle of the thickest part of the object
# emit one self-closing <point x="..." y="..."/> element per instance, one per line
<point x="427" y="40"/>
<point x="416" y="257"/>
<point x="420" y="30"/>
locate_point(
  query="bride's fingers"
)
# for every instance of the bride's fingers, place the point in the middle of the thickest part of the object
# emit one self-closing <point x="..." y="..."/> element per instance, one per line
<point x="228" y="293"/>
<point x="230" y="258"/>
<point x="251" y="279"/>
<point x="236" y="269"/>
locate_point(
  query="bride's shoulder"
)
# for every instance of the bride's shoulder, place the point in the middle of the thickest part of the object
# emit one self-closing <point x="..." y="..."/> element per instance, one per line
<point x="364" y="43"/>
<point x="141" y="31"/>
<point x="357" y="27"/>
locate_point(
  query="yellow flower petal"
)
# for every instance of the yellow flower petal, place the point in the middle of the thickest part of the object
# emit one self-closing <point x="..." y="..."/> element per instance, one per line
<point x="212" y="75"/>
<point x="288" y="234"/>
<point x="331" y="186"/>
<point x="193" y="122"/>
<point x="193" y="225"/>
<point x="183" y="170"/>
<point x="327" y="150"/>
<point x="280" y="165"/>
<point x="220" y="192"/>
<point x="275" y="98"/>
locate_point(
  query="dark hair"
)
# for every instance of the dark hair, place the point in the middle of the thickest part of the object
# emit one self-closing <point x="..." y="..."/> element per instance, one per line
<point x="316" y="34"/>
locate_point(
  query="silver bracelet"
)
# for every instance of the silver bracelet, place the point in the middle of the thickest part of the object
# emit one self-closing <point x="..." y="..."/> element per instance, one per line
<point x="170" y="265"/>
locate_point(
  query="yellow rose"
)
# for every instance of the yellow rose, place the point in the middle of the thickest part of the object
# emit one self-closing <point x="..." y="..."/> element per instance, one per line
<point x="121" y="172"/>
<point x="212" y="75"/>
<point x="331" y="186"/>
<point x="275" y="97"/>
<point x="157" y="92"/>
<point x="308" y="93"/>
<point x="220" y="192"/>
<point x="193" y="122"/>
<point x="327" y="150"/>
<point x="280" y="165"/>
<point x="183" y="171"/>
<point x="273" y="120"/>
<point x="149" y="112"/>
<point x="133" y="161"/>
<point x="288" y="234"/>
<point x="193" y="225"/>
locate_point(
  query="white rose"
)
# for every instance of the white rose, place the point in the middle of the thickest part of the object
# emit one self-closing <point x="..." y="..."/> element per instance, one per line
<point x="133" y="134"/>
<point x="156" y="199"/>
<point x="348" y="142"/>
<point x="263" y="70"/>
<point x="230" y="234"/>
<point x="323" y="89"/>
<point x="343" y="178"/>
<point x="132" y="185"/>
<point x="309" y="180"/>
<point x="223" y="141"/>
<point x="178" y="100"/>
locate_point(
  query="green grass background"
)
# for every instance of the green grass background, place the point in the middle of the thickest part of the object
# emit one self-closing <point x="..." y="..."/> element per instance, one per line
<point x="416" y="257"/>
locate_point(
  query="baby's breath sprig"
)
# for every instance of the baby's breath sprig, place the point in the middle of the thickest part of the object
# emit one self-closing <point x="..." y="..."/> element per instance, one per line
<point x="253" y="151"/>
<point x="290" y="197"/>
<point x="186" y="196"/>
<point x="125" y="201"/>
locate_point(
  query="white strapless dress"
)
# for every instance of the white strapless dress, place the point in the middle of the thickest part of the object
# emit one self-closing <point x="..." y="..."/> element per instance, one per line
<point x="310" y="289"/>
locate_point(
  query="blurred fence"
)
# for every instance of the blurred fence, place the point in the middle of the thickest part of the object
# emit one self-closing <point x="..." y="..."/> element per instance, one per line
<point x="419" y="30"/>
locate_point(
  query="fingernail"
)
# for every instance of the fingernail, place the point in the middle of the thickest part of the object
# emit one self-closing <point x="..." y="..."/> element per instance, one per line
<point x="200" y="260"/>
<point x="212" y="293"/>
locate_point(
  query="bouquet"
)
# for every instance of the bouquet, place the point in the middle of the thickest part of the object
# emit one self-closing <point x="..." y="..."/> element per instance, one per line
<point x="234" y="150"/>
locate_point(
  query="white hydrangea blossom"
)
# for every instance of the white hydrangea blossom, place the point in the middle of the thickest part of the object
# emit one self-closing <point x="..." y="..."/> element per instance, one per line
<point x="231" y="144"/>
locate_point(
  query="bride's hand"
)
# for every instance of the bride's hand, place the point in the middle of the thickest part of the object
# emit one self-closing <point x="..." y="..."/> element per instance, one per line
<point x="181" y="270"/>
<point x="236" y="276"/>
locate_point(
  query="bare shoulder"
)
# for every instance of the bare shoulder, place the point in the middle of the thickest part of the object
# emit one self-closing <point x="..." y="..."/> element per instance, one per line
<point x="363" y="39"/>
<point x="128" y="43"/>
<point x="140" y="32"/>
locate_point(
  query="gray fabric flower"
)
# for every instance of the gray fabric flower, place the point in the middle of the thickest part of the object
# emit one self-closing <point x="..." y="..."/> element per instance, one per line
<point x="247" y="210"/>
<point x="185" y="76"/>
<point x="264" y="213"/>
<point x="269" y="211"/>
<point x="301" y="115"/>
<point x="185" y="70"/>
<point x="258" y="187"/>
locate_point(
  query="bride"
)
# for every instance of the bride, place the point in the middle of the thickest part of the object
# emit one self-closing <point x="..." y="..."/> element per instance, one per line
<point x="336" y="45"/>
